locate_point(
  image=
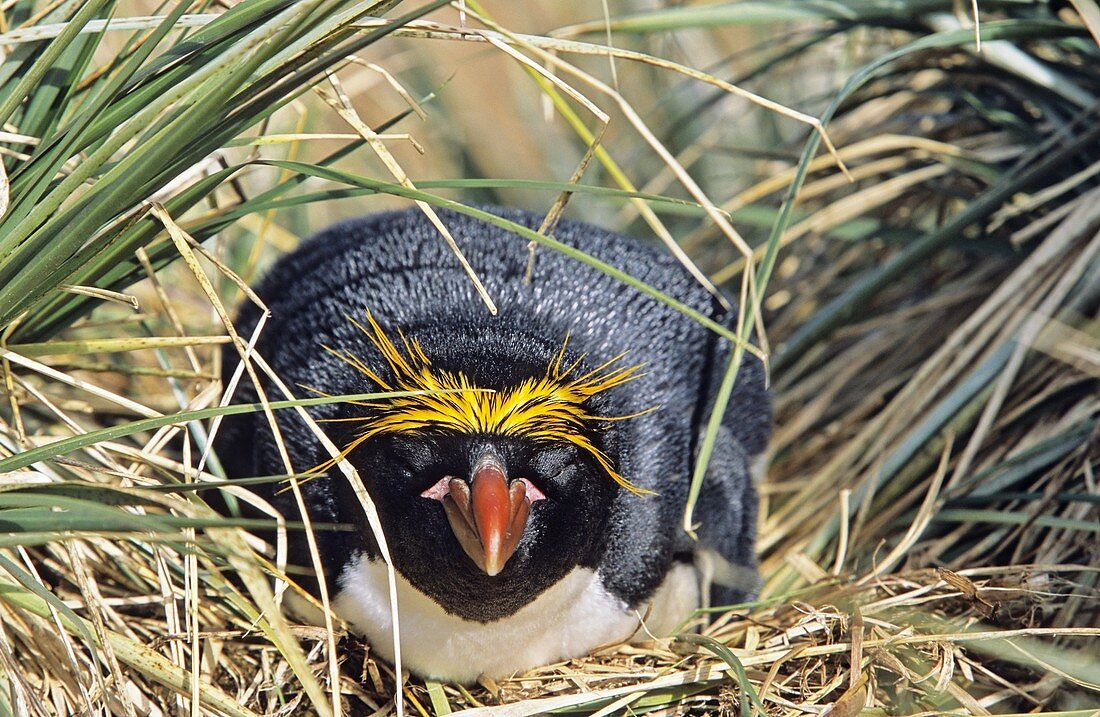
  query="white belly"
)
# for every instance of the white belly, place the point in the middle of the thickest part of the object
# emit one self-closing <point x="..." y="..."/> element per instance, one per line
<point x="570" y="619"/>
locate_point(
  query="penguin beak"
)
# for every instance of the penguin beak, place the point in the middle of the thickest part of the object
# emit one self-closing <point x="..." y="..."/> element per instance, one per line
<point x="488" y="514"/>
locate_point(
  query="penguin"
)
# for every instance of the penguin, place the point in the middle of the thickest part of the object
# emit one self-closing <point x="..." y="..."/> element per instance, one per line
<point x="532" y="478"/>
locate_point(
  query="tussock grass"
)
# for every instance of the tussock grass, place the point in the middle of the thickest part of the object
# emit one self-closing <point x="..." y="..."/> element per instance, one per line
<point x="928" y="306"/>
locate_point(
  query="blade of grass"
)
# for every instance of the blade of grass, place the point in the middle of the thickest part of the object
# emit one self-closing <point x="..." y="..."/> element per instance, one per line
<point x="68" y="445"/>
<point x="49" y="56"/>
<point x="748" y="692"/>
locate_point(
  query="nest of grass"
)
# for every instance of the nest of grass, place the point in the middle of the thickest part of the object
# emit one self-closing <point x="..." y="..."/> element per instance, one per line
<point x="929" y="522"/>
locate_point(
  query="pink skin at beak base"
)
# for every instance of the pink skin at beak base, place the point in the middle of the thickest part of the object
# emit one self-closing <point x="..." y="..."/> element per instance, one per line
<point x="488" y="515"/>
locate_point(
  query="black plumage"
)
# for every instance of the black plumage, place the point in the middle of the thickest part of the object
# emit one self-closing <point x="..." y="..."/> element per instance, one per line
<point x="397" y="267"/>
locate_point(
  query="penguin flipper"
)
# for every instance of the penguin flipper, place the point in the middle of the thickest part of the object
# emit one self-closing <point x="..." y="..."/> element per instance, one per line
<point x="725" y="553"/>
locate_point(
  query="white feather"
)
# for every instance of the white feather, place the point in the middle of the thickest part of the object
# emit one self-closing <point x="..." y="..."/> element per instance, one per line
<point x="570" y="619"/>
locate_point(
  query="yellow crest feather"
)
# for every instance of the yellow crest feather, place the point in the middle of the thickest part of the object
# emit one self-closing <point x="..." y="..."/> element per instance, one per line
<point x="549" y="408"/>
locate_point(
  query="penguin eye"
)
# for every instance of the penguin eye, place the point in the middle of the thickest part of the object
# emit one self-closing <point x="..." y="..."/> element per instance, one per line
<point x="552" y="462"/>
<point x="412" y="459"/>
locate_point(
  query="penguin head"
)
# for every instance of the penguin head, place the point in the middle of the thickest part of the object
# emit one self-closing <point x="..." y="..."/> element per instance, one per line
<point x="482" y="524"/>
<point x="491" y="486"/>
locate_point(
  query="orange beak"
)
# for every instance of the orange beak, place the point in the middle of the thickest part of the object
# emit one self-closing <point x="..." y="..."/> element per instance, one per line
<point x="488" y="515"/>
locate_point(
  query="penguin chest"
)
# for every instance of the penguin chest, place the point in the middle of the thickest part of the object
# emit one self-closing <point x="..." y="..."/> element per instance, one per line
<point x="569" y="619"/>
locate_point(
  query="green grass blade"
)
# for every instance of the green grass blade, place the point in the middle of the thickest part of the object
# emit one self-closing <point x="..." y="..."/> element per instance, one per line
<point x="68" y="445"/>
<point x="33" y="78"/>
<point x="748" y="692"/>
<point x="33" y="586"/>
